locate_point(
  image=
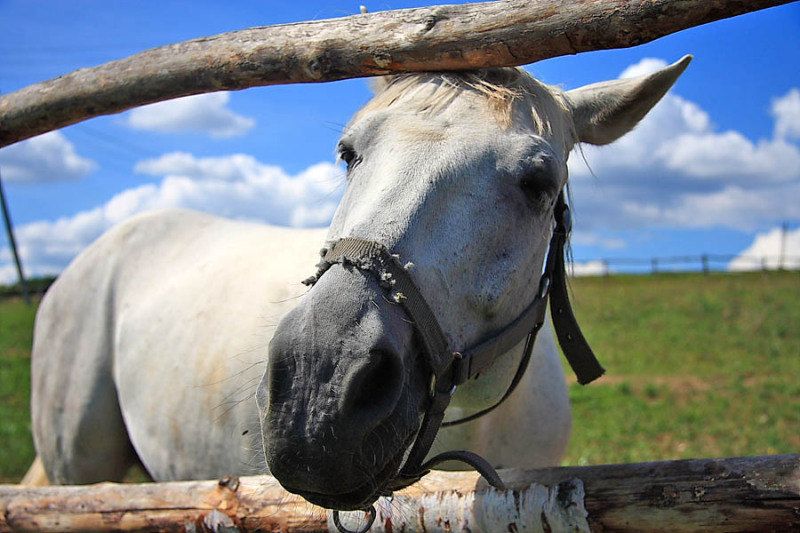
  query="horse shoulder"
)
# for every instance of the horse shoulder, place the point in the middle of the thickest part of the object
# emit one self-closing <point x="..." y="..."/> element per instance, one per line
<point x="77" y="425"/>
<point x="176" y="307"/>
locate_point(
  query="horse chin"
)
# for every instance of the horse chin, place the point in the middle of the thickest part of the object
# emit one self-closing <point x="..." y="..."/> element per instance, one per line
<point x="358" y="499"/>
<point x="352" y="501"/>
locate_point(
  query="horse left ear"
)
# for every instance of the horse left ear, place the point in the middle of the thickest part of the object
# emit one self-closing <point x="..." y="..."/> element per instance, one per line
<point x="604" y="112"/>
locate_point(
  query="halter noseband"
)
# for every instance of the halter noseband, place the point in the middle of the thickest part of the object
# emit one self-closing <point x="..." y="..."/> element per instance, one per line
<point x="451" y="368"/>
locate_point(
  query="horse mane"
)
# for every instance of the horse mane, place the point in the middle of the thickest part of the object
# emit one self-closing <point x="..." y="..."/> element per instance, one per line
<point x="508" y="91"/>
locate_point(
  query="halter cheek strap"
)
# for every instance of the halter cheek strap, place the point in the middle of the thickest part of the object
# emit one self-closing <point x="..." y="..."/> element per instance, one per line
<point x="452" y="368"/>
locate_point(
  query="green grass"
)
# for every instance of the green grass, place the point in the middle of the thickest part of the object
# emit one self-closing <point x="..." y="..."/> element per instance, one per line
<point x="698" y="366"/>
<point x="16" y="446"/>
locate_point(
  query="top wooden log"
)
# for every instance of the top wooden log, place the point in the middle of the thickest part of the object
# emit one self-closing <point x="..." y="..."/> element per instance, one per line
<point x="489" y="34"/>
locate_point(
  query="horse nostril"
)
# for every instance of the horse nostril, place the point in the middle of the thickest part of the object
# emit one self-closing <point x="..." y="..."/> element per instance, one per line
<point x="374" y="389"/>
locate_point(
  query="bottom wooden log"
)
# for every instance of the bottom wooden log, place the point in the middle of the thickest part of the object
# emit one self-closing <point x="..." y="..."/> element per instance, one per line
<point x="733" y="494"/>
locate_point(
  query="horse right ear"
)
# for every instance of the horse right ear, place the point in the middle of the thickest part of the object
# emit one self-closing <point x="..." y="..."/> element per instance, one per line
<point x="604" y="112"/>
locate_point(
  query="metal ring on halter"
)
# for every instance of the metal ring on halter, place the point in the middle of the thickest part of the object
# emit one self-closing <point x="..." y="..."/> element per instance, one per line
<point x="370" y="520"/>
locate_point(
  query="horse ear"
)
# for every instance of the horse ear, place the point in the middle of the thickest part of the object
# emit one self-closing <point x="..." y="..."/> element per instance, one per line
<point x="604" y="112"/>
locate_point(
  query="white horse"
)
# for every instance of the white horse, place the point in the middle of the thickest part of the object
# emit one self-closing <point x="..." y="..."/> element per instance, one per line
<point x="149" y="347"/>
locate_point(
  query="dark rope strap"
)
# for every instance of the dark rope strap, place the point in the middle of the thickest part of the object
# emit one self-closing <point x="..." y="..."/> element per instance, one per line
<point x="428" y="430"/>
<point x="481" y="465"/>
<point x="577" y="351"/>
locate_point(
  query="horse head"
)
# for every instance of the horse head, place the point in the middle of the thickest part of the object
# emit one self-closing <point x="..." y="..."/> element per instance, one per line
<point x="457" y="176"/>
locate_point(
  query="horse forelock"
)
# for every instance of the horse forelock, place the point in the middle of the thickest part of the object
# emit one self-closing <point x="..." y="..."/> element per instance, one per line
<point x="508" y="91"/>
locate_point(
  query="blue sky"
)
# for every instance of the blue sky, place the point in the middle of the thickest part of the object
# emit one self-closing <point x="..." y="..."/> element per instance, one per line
<point x="715" y="169"/>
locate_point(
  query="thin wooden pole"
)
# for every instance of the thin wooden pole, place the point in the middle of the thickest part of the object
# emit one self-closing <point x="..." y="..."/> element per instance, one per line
<point x="13" y="244"/>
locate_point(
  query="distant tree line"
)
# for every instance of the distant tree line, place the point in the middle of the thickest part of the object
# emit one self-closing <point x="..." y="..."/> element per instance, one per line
<point x="34" y="285"/>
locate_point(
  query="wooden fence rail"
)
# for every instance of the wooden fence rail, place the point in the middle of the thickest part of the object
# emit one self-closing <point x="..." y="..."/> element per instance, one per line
<point x="488" y="34"/>
<point x="732" y="494"/>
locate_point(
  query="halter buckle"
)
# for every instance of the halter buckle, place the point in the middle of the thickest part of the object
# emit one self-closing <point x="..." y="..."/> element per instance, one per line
<point x="460" y="368"/>
<point x="544" y="286"/>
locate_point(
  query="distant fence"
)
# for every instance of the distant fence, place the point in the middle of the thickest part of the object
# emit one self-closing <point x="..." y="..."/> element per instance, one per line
<point x="685" y="263"/>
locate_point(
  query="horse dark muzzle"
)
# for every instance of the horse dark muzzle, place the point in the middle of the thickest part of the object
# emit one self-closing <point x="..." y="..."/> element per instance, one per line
<point x="339" y="410"/>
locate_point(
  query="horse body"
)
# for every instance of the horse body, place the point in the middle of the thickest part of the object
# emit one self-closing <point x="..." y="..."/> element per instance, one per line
<point x="129" y="347"/>
<point x="150" y="345"/>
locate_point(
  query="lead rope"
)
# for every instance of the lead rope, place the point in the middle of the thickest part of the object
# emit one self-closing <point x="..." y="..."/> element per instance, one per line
<point x="370" y="520"/>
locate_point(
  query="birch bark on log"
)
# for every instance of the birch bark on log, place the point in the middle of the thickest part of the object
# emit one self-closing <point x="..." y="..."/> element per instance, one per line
<point x="489" y="34"/>
<point x="733" y="494"/>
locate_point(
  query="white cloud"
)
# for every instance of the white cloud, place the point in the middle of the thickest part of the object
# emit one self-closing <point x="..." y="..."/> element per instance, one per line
<point x="8" y="275"/>
<point x="645" y="66"/>
<point x="786" y="111"/>
<point x="239" y="186"/>
<point x="589" y="268"/>
<point x="202" y="113"/>
<point x="228" y="168"/>
<point x="731" y="157"/>
<point x="677" y="170"/>
<point x="732" y="207"/>
<point x="236" y="186"/>
<point x="767" y="249"/>
<point x="45" y="158"/>
<point x="593" y="239"/>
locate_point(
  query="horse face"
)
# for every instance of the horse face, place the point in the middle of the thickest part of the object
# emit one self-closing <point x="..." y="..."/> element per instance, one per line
<point x="465" y="193"/>
<point x="457" y="175"/>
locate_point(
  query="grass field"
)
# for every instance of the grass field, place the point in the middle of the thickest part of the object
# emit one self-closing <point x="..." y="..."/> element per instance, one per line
<point x="16" y="446"/>
<point x="698" y="366"/>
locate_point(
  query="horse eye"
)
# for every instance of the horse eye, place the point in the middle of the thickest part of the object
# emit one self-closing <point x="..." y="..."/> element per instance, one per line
<point x="348" y="155"/>
<point x="537" y="185"/>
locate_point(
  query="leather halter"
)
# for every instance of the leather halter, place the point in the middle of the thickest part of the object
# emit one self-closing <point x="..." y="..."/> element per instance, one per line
<point x="451" y="368"/>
